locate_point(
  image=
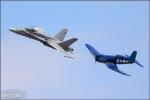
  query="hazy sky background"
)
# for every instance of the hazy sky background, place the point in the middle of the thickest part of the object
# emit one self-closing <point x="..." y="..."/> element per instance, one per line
<point x="111" y="27"/>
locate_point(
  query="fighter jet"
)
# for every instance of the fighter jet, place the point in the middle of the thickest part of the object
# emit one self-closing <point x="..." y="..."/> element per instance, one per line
<point x="111" y="60"/>
<point x="57" y="42"/>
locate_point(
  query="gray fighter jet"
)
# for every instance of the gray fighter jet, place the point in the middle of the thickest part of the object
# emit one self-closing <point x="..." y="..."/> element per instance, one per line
<point x="57" y="42"/>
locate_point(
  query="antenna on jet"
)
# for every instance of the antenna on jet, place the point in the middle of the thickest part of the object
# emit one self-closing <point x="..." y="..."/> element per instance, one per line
<point x="34" y="26"/>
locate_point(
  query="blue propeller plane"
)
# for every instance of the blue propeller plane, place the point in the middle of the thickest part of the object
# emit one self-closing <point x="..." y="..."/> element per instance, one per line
<point x="111" y="61"/>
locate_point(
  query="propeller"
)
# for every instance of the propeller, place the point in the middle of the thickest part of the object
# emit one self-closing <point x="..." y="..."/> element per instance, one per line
<point x="95" y="60"/>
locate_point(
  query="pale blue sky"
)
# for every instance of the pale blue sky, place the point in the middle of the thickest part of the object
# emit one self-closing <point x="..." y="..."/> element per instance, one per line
<point x="111" y="27"/>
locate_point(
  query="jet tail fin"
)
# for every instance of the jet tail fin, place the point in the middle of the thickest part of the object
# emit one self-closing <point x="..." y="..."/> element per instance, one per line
<point x="67" y="43"/>
<point x="61" y="35"/>
<point x="133" y="56"/>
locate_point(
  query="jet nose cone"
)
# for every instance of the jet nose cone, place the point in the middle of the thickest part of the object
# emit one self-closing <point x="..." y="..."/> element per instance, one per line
<point x="12" y="29"/>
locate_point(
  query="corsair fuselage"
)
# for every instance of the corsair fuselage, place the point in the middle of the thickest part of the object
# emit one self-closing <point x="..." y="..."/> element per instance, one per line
<point x="118" y="59"/>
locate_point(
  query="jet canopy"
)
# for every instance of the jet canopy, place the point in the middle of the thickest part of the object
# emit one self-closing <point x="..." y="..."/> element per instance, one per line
<point x="35" y="29"/>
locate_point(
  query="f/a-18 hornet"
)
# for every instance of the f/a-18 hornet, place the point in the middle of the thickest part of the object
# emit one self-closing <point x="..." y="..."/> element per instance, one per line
<point x="111" y="60"/>
<point x="57" y="42"/>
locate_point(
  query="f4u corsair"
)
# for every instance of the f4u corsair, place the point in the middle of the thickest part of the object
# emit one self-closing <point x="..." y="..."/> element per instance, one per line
<point x="55" y="42"/>
<point x="111" y="61"/>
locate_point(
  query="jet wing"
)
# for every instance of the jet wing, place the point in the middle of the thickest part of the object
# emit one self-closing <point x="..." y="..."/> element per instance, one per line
<point x="114" y="67"/>
<point x="37" y="31"/>
<point x="43" y="36"/>
<point x="59" y="48"/>
<point x="39" y="34"/>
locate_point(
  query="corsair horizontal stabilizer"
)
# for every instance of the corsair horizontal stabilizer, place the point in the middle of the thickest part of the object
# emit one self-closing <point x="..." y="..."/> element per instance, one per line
<point x="135" y="61"/>
<point x="138" y="63"/>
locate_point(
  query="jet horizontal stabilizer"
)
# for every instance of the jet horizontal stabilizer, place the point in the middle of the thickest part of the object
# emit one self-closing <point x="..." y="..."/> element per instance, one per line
<point x="67" y="43"/>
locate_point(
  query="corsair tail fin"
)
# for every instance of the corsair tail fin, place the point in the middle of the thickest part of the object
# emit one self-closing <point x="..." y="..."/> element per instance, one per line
<point x="135" y="61"/>
<point x="133" y="56"/>
<point x="61" y="35"/>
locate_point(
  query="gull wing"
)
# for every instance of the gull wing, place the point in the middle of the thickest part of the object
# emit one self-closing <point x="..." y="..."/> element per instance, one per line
<point x="92" y="50"/>
<point x="114" y="67"/>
